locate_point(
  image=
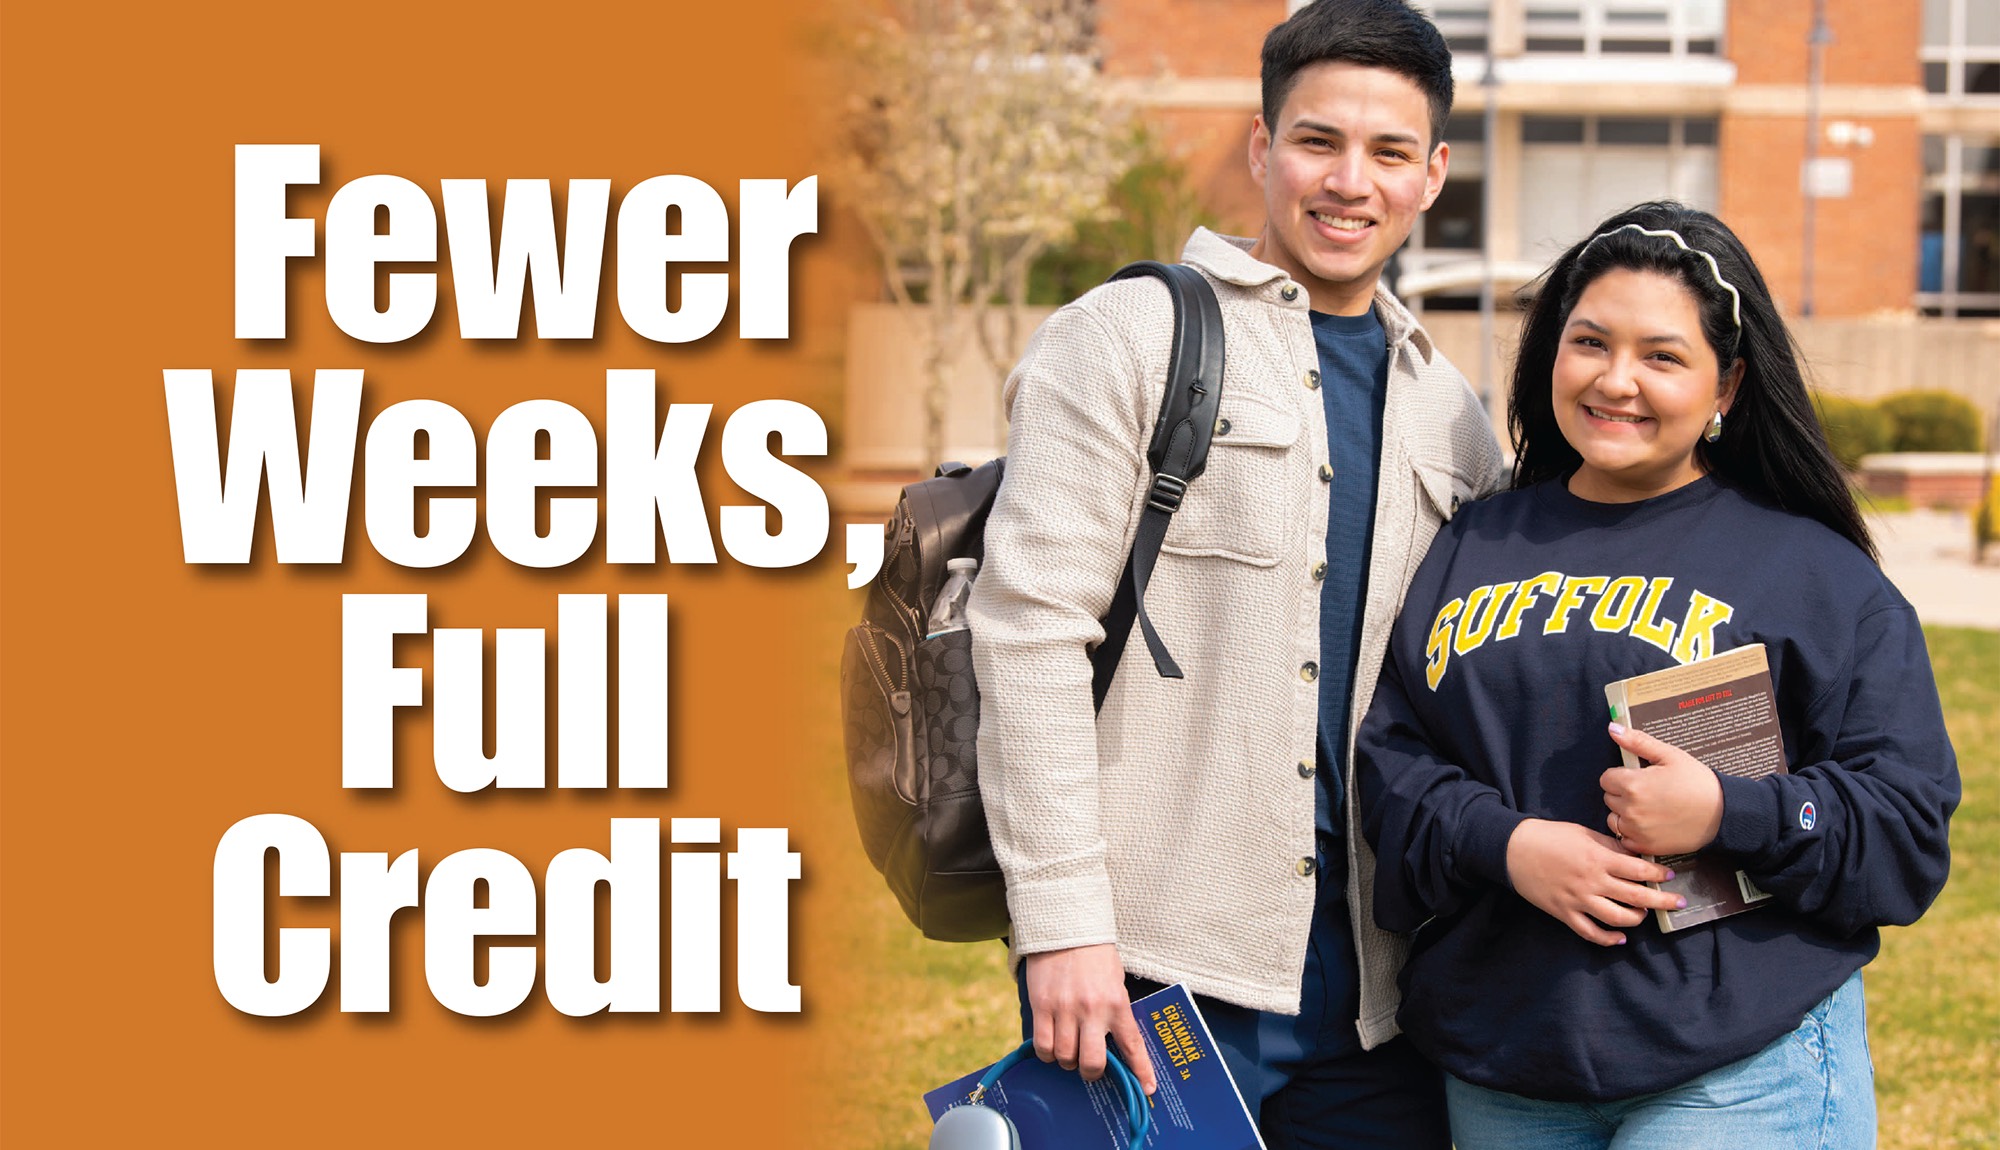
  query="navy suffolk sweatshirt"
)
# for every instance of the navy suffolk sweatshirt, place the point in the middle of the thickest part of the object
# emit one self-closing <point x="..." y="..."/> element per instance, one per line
<point x="1491" y="710"/>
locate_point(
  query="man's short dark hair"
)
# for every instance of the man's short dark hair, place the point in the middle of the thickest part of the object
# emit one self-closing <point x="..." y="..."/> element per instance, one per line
<point x="1372" y="33"/>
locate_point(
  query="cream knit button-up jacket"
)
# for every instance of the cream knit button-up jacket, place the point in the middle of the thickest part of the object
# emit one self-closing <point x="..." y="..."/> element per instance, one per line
<point x="1174" y="823"/>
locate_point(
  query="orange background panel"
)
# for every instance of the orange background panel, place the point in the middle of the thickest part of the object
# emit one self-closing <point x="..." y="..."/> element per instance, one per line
<point x="148" y="705"/>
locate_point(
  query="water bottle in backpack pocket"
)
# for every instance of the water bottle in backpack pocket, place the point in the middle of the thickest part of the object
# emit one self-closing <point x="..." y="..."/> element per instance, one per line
<point x="911" y="714"/>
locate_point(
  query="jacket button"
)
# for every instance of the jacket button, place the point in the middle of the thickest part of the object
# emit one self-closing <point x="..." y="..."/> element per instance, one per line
<point x="1319" y="571"/>
<point x="1290" y="292"/>
<point x="1222" y="427"/>
<point x="1326" y="473"/>
<point x="1309" y="672"/>
<point x="1312" y="378"/>
<point x="1306" y="769"/>
<point x="1306" y="867"/>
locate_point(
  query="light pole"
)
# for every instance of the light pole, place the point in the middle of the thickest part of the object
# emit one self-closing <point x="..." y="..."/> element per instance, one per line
<point x="1489" y="85"/>
<point x="1816" y="43"/>
<point x="1505" y="30"/>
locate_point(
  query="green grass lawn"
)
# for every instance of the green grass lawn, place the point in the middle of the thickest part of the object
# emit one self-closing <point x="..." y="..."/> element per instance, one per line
<point x="923" y="1013"/>
<point x="1934" y="994"/>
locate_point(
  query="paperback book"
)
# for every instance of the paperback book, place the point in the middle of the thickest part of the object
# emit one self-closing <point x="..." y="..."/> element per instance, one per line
<point x="1722" y="711"/>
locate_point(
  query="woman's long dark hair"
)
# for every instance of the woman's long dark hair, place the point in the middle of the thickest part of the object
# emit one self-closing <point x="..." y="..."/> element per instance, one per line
<point x="1771" y="447"/>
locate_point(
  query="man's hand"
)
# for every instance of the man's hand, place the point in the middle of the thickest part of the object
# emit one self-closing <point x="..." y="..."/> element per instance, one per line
<point x="1078" y="996"/>
<point x="1584" y="879"/>
<point x="1672" y="807"/>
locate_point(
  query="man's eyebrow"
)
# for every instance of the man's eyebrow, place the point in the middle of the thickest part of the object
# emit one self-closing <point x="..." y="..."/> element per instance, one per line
<point x="1317" y="128"/>
<point x="1321" y="129"/>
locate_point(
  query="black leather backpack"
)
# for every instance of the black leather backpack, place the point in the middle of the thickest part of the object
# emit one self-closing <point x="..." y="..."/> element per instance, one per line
<point x="910" y="704"/>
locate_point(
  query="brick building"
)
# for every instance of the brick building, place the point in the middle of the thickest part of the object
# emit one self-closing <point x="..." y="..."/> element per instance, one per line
<point x="1601" y="103"/>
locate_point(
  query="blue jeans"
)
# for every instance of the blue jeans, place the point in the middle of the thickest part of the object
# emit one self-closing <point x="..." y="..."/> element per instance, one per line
<point x="1813" y="1089"/>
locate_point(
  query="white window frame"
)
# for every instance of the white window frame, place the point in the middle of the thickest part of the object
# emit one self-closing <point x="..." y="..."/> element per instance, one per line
<point x="1952" y="184"/>
<point x="1955" y="54"/>
<point x="1593" y="22"/>
<point x="1679" y="161"/>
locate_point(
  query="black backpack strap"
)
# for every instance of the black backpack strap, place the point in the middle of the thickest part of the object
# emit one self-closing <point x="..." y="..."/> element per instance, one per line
<point x="1178" y="454"/>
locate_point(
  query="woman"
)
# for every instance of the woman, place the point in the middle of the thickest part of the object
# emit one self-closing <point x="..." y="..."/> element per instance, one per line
<point x="1662" y="430"/>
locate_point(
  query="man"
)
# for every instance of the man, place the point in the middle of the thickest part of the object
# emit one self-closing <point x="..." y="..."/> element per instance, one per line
<point x="1196" y="830"/>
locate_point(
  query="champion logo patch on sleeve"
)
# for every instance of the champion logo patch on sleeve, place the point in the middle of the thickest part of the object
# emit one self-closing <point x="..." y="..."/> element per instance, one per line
<point x="1807" y="816"/>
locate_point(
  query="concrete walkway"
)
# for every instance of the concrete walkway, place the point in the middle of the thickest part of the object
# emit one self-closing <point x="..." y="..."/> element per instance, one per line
<point x="1928" y="555"/>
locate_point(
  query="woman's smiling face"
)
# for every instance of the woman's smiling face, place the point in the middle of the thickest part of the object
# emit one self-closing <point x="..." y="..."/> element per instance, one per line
<point x="1635" y="384"/>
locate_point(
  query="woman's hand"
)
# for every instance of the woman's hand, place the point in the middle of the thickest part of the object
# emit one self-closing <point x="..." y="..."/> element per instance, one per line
<point x="1584" y="879"/>
<point x="1672" y="807"/>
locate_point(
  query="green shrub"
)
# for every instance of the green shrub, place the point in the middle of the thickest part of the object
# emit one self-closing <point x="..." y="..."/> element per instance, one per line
<point x="1932" y="421"/>
<point x="1853" y="429"/>
<point x="1152" y="210"/>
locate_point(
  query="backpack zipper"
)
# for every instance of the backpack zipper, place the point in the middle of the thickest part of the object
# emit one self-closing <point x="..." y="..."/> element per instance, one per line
<point x="905" y="536"/>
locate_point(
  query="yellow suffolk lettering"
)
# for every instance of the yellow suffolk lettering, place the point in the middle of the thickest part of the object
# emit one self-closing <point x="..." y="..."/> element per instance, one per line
<point x="1574" y="589"/>
<point x="1438" y="651"/>
<point x="1475" y="626"/>
<point x="1648" y="626"/>
<point x="1697" y="639"/>
<point x="1546" y="583"/>
<point x="1614" y="610"/>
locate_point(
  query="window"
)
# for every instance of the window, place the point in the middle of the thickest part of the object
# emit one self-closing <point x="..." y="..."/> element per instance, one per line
<point x="1961" y="52"/>
<point x="1453" y="223"/>
<point x="1576" y="170"/>
<point x="1958" y="271"/>
<point x="1462" y="22"/>
<point x="1452" y="231"/>
<point x="1625" y="27"/>
<point x="1587" y="27"/>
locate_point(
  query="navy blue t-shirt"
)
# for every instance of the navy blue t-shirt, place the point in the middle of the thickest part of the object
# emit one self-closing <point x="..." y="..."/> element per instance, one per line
<point x="1354" y="382"/>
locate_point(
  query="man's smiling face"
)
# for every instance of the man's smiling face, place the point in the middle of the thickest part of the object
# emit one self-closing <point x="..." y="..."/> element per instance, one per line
<point x="1345" y="172"/>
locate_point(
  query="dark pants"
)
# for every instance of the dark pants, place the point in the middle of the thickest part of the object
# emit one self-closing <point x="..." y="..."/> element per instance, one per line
<point x="1305" y="1075"/>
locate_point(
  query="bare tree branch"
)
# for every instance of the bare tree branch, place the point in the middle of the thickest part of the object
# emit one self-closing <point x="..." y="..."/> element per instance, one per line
<point x="980" y="136"/>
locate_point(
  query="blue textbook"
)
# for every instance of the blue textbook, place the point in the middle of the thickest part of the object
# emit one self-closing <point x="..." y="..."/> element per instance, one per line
<point x="1195" y="1108"/>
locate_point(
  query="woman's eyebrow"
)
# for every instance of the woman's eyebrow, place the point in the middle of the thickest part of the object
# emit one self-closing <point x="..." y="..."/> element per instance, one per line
<point x="1600" y="329"/>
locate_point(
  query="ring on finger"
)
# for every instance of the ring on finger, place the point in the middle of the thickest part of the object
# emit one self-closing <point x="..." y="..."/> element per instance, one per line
<point x="1617" y="826"/>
